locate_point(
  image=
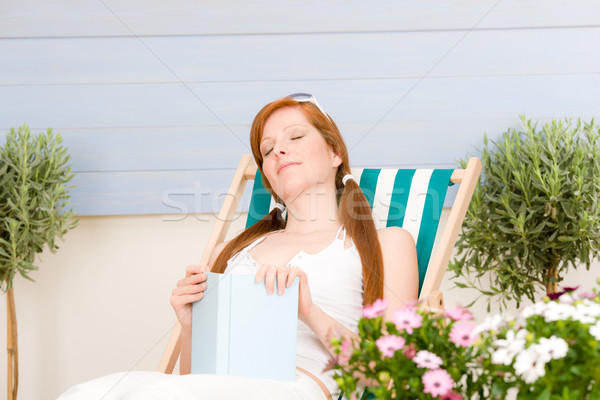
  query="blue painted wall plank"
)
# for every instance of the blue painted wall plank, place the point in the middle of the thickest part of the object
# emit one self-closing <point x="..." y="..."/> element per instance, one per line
<point x="144" y="142"/>
<point x="155" y="17"/>
<point x="166" y="192"/>
<point x="440" y="99"/>
<point x="251" y="58"/>
<point x="155" y="148"/>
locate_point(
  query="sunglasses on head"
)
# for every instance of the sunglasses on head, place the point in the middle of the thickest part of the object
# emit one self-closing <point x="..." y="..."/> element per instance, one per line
<point x="306" y="97"/>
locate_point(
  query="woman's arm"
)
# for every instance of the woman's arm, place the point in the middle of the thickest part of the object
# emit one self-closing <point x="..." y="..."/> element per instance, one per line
<point x="182" y="300"/>
<point x="400" y="268"/>
<point x="401" y="281"/>
<point x="400" y="285"/>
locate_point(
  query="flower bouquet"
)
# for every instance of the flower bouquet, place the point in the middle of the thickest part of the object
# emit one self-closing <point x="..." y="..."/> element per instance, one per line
<point x="418" y="355"/>
<point x="551" y="351"/>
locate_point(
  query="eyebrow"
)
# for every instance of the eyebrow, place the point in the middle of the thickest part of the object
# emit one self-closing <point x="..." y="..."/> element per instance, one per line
<point x="292" y="125"/>
<point x="263" y="139"/>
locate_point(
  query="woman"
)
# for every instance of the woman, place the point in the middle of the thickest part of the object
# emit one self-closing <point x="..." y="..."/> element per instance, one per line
<point x="329" y="242"/>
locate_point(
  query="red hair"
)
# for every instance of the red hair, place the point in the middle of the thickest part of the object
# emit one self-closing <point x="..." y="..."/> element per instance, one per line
<point x="355" y="211"/>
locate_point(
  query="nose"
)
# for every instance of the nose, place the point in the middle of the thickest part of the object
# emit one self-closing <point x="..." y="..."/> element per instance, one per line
<point x="279" y="149"/>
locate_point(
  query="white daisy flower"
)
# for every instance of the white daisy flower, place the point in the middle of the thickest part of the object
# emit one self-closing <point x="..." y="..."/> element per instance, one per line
<point x="509" y="347"/>
<point x="595" y="330"/>
<point x="490" y="323"/>
<point x="586" y="302"/>
<point x="587" y="314"/>
<point x="566" y="298"/>
<point x="558" y="312"/>
<point x="552" y="348"/>
<point x="534" y="309"/>
<point x="503" y="356"/>
<point x="529" y="364"/>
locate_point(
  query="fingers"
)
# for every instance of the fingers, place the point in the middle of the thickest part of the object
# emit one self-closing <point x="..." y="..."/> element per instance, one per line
<point x="189" y="289"/>
<point x="183" y="295"/>
<point x="294" y="273"/>
<point x="267" y="273"/>
<point x="260" y="274"/>
<point x="182" y="300"/>
<point x="270" y="279"/>
<point x="284" y="276"/>
<point x="194" y="275"/>
<point x="195" y="269"/>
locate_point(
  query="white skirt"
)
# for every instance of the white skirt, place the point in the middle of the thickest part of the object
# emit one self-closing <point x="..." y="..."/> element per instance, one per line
<point x="142" y="385"/>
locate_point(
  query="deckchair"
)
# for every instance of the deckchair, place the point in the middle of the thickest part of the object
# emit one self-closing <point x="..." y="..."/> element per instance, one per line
<point x="409" y="198"/>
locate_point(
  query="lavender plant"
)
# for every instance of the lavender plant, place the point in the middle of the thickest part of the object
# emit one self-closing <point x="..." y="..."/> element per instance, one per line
<point x="34" y="195"/>
<point x="33" y="200"/>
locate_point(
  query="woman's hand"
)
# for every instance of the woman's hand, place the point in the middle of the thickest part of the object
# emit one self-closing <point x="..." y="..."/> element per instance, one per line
<point x="285" y="278"/>
<point x="188" y="290"/>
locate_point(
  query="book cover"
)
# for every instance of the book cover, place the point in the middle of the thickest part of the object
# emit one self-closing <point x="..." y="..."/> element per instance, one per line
<point x="239" y="329"/>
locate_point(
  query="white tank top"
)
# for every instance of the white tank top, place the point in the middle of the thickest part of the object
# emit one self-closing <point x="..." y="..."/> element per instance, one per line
<point x="336" y="285"/>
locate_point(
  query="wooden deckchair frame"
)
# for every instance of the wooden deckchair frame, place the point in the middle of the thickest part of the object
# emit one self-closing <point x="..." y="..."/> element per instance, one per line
<point x="246" y="171"/>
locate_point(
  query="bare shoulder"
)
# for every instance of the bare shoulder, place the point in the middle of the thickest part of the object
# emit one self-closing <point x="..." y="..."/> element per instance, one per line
<point x="393" y="237"/>
<point x="401" y="274"/>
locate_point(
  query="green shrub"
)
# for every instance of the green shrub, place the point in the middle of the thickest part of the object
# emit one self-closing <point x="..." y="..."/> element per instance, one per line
<point x="34" y="196"/>
<point x="535" y="213"/>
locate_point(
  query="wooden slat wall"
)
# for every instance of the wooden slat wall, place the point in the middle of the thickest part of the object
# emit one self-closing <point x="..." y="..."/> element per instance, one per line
<point x="155" y="99"/>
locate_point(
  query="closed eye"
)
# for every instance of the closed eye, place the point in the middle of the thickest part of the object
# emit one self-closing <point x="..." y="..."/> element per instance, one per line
<point x="268" y="152"/>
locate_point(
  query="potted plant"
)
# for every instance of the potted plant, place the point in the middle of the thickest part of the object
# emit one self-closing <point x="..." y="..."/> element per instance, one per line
<point x="535" y="214"/>
<point x="419" y="354"/>
<point x="550" y="350"/>
<point x="33" y="212"/>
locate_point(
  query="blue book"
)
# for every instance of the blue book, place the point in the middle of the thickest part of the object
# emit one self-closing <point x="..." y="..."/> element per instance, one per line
<point x="239" y="329"/>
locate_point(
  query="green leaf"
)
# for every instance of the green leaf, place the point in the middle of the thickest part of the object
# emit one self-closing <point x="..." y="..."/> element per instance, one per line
<point x="545" y="395"/>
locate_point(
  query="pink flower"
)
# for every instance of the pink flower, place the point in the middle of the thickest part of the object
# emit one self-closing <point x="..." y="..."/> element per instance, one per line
<point x="458" y="313"/>
<point x="346" y="351"/>
<point x="406" y="319"/>
<point x="437" y="382"/>
<point x="410" y="351"/>
<point x="377" y="309"/>
<point x="461" y="333"/>
<point x="586" y="295"/>
<point x="452" y="396"/>
<point x="565" y="289"/>
<point x="389" y="344"/>
<point x="412" y="306"/>
<point x="426" y="359"/>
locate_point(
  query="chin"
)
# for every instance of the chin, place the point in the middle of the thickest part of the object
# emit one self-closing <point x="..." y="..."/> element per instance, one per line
<point x="290" y="190"/>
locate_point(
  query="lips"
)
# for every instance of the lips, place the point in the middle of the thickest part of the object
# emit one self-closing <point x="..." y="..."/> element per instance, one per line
<point x="285" y="165"/>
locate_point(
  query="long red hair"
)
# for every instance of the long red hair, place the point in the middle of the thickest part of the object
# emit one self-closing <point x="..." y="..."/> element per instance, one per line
<point x="355" y="211"/>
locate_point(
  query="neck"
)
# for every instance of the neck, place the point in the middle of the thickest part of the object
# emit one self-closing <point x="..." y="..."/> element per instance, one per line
<point x="312" y="211"/>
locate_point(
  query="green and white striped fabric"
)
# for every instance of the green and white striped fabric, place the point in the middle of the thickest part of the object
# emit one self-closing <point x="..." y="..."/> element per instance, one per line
<point x="409" y="198"/>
